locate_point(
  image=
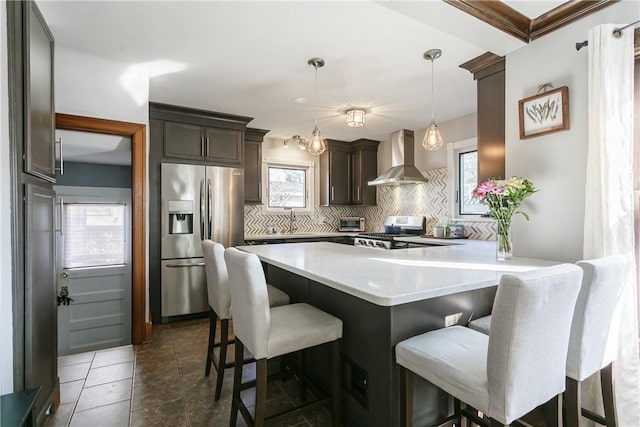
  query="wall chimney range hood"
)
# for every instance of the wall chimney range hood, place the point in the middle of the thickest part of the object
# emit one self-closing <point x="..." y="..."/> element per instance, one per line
<point x="403" y="170"/>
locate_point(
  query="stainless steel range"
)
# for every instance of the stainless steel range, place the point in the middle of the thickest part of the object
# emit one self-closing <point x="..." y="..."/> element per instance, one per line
<point x="401" y="225"/>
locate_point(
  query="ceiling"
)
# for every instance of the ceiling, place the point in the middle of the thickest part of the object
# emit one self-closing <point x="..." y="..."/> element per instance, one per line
<point x="250" y="57"/>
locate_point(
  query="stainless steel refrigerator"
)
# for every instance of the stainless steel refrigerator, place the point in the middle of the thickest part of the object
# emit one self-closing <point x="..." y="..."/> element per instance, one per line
<point x="198" y="202"/>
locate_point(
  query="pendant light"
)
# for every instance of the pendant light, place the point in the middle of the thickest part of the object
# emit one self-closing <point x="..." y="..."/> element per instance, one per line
<point x="432" y="139"/>
<point x="316" y="145"/>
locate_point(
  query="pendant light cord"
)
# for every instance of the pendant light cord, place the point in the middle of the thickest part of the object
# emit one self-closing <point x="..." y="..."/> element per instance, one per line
<point x="433" y="94"/>
<point x="316" y="67"/>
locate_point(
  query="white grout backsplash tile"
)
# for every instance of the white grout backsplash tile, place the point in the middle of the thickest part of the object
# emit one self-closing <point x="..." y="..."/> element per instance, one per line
<point x="428" y="199"/>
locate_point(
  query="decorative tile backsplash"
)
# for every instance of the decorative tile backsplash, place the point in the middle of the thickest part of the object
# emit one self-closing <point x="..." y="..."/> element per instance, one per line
<point x="428" y="199"/>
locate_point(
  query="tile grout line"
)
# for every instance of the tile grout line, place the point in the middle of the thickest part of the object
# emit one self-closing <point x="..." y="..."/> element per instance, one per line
<point x="182" y="395"/>
<point x="75" y="405"/>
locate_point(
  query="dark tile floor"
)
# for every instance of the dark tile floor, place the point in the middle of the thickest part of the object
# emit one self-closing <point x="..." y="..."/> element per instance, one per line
<point x="160" y="384"/>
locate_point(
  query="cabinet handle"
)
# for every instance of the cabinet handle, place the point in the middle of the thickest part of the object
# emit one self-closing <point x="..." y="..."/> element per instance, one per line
<point x="358" y="193"/>
<point x="260" y="190"/>
<point x="61" y="229"/>
<point x="202" y="145"/>
<point x="207" y="147"/>
<point x="61" y="168"/>
<point x="332" y="192"/>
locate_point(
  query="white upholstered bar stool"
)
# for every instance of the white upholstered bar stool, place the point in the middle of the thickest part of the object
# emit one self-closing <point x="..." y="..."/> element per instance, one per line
<point x="272" y="332"/>
<point x="602" y="284"/>
<point x="519" y="367"/>
<point x="220" y="308"/>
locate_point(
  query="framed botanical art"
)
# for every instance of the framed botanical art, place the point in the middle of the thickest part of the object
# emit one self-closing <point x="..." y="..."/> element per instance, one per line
<point x="544" y="113"/>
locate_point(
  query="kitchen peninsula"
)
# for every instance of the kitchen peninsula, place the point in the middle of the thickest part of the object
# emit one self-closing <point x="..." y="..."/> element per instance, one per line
<point x="384" y="297"/>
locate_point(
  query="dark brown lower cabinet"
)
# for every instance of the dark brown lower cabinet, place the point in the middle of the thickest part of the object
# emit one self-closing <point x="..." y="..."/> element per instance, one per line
<point x="40" y="309"/>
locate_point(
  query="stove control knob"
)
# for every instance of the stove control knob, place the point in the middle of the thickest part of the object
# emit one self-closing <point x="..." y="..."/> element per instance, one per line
<point x="380" y="244"/>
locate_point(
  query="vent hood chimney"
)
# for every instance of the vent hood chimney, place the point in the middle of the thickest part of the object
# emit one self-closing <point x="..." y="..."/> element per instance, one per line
<point x="403" y="170"/>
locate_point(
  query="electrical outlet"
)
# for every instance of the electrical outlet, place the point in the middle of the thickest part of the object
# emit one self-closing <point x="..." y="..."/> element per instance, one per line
<point x="322" y="220"/>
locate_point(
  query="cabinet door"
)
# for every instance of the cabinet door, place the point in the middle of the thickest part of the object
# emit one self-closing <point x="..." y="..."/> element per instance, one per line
<point x="39" y="107"/>
<point x="223" y="146"/>
<point x="340" y="177"/>
<point x="252" y="171"/>
<point x="183" y="141"/>
<point x="365" y="163"/>
<point x="41" y="340"/>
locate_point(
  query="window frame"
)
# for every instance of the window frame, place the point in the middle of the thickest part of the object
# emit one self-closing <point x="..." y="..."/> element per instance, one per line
<point x="307" y="166"/>
<point x="454" y="149"/>
<point x="110" y="195"/>
<point x="125" y="241"/>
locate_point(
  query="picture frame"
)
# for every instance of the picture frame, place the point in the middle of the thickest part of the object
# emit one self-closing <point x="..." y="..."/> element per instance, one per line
<point x="544" y="113"/>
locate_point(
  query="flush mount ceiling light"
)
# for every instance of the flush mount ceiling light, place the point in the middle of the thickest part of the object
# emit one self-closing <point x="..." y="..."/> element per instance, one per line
<point x="355" y="117"/>
<point x="432" y="139"/>
<point x="317" y="145"/>
<point x="297" y="141"/>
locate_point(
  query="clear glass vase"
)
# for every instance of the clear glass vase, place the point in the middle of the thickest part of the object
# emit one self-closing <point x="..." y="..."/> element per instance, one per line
<point x="504" y="245"/>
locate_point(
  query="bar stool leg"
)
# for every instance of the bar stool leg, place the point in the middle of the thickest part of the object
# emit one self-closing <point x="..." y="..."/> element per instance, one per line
<point x="261" y="392"/>
<point x="213" y="320"/>
<point x="608" y="395"/>
<point x="406" y="397"/>
<point x="237" y="379"/>
<point x="222" y="359"/>
<point x="302" y="386"/>
<point x="457" y="410"/>
<point x="335" y="383"/>
<point x="553" y="412"/>
<point x="573" y="403"/>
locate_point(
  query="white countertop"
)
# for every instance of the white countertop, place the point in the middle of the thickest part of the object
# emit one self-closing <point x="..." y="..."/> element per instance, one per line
<point x="274" y="236"/>
<point x="392" y="277"/>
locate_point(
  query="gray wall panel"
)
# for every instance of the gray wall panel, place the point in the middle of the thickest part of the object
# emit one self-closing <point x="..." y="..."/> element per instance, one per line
<point x="95" y="175"/>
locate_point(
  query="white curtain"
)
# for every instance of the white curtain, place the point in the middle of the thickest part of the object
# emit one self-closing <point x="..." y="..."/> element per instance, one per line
<point x="609" y="215"/>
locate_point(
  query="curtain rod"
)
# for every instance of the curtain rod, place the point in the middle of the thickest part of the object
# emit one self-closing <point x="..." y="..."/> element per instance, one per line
<point x="617" y="32"/>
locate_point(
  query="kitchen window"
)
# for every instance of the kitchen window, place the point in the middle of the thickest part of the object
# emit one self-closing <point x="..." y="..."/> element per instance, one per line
<point x="289" y="186"/>
<point x="463" y="178"/>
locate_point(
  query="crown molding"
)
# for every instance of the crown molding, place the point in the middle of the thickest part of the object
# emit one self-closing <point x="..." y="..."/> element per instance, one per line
<point x="506" y="19"/>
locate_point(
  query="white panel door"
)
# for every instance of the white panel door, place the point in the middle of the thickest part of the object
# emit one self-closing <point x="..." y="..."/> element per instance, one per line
<point x="94" y="267"/>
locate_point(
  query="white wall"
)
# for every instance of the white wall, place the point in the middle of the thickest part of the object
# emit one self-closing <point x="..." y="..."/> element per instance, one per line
<point x="87" y="85"/>
<point x="6" y="313"/>
<point x="458" y="129"/>
<point x="555" y="163"/>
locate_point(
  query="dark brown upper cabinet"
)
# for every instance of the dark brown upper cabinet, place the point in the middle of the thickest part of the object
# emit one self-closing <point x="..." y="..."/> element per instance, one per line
<point x="39" y="110"/>
<point x="345" y="169"/>
<point x="488" y="70"/>
<point x="253" y="165"/>
<point x="365" y="169"/>
<point x="202" y="137"/>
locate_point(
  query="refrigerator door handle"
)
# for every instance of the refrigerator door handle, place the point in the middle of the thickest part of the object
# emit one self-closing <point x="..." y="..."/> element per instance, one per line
<point x="202" y="211"/>
<point x="193" y="264"/>
<point x="210" y="216"/>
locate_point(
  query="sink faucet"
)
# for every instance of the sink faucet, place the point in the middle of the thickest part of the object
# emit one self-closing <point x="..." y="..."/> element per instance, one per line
<point x="292" y="218"/>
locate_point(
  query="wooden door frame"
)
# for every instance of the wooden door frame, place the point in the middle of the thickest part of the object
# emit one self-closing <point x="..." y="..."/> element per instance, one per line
<point x="138" y="134"/>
